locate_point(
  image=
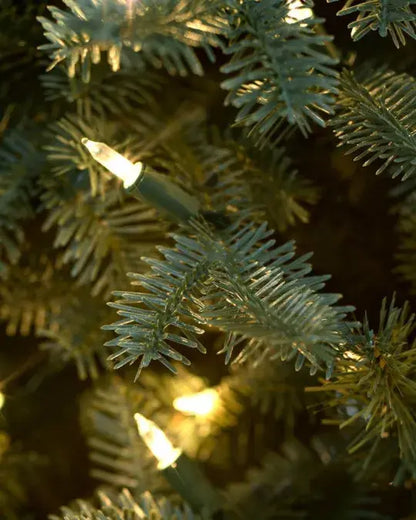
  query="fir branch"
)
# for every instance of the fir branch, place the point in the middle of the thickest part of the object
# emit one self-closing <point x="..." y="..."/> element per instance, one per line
<point x="377" y="118"/>
<point x="162" y="315"/>
<point x="280" y="70"/>
<point x="259" y="292"/>
<point x="373" y="385"/>
<point x="72" y="335"/>
<point x="124" y="507"/>
<point x="103" y="237"/>
<point x="272" y="388"/>
<point x="235" y="280"/>
<point x="164" y="33"/>
<point x="394" y="17"/>
<point x="20" y="165"/>
<point x="106" y="94"/>
<point x="33" y="293"/>
<point x="116" y="451"/>
<point x="275" y="184"/>
<point x="233" y="173"/>
<point x="293" y="485"/>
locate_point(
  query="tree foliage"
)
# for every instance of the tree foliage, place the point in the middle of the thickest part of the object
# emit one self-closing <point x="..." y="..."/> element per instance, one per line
<point x="279" y="69"/>
<point x="374" y="385"/>
<point x="394" y="17"/>
<point x="164" y="34"/>
<point x="238" y="281"/>
<point x="125" y="507"/>
<point x="377" y="118"/>
<point x="20" y="165"/>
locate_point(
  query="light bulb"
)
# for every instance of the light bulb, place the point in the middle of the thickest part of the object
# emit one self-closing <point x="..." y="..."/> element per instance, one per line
<point x="114" y="161"/>
<point x="2" y="400"/>
<point x="298" y="11"/>
<point x="201" y="403"/>
<point x="157" y="442"/>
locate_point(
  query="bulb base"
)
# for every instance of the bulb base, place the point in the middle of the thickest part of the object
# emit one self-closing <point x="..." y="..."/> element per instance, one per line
<point x="188" y="480"/>
<point x="164" y="195"/>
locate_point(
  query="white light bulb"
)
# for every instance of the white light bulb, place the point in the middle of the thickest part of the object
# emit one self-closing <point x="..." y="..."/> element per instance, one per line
<point x="156" y="441"/>
<point x="201" y="403"/>
<point x="114" y="161"/>
<point x="298" y="11"/>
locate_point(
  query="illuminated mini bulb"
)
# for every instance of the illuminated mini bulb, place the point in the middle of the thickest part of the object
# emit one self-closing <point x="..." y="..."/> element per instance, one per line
<point x="157" y="442"/>
<point x="349" y="354"/>
<point x="2" y="400"/>
<point x="298" y="11"/>
<point x="201" y="403"/>
<point x="142" y="182"/>
<point x="114" y="161"/>
<point x="182" y="473"/>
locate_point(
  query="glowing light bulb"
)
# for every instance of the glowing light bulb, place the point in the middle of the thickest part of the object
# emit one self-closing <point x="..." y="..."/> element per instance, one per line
<point x="114" y="161"/>
<point x="352" y="355"/>
<point x="156" y="441"/>
<point x="201" y="403"/>
<point x="298" y="11"/>
<point x="2" y="400"/>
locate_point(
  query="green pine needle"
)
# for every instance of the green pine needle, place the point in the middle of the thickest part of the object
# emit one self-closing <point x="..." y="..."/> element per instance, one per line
<point x="162" y="34"/>
<point x="377" y="121"/>
<point x="394" y="17"/>
<point x="280" y="70"/>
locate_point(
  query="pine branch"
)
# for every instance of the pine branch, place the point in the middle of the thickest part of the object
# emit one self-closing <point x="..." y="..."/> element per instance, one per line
<point x="163" y="313"/>
<point x="377" y="119"/>
<point x="232" y="172"/>
<point x="280" y="69"/>
<point x="373" y="385"/>
<point x="106" y="94"/>
<point x="272" y="388"/>
<point x="293" y="485"/>
<point x="103" y="237"/>
<point x="124" y="507"/>
<point x="20" y="165"/>
<point x="258" y="292"/>
<point x="275" y="184"/>
<point x="72" y="335"/>
<point x="164" y="33"/>
<point x="237" y="281"/>
<point x="394" y="17"/>
<point x="33" y="293"/>
<point x="117" y="454"/>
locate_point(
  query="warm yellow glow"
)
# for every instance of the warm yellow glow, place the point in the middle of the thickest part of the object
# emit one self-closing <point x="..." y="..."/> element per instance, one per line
<point x="156" y="441"/>
<point x="2" y="400"/>
<point x="298" y="11"/>
<point x="352" y="355"/>
<point x="114" y="161"/>
<point x="201" y="403"/>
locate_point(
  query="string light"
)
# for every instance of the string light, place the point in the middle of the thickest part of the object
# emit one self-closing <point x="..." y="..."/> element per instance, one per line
<point x="298" y="11"/>
<point x="182" y="473"/>
<point x="146" y="184"/>
<point x="2" y="400"/>
<point x="200" y="403"/>
<point x="157" y="442"/>
<point x="116" y="163"/>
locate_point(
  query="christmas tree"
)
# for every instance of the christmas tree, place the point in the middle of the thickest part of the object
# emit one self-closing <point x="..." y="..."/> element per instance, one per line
<point x="170" y="349"/>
